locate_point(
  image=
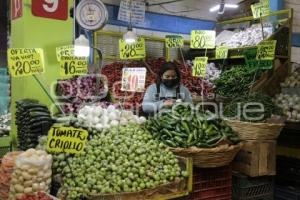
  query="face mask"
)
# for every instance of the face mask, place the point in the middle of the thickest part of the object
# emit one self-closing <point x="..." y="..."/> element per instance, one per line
<point x="170" y="83"/>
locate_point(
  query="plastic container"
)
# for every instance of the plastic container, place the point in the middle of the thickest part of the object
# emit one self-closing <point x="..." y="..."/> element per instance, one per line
<point x="246" y="188"/>
<point x="212" y="183"/>
<point x="284" y="193"/>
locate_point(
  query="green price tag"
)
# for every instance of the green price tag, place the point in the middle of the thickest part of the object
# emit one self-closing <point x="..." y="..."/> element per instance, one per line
<point x="266" y="50"/>
<point x="221" y="52"/>
<point x="259" y="64"/>
<point x="66" y="139"/>
<point x="203" y="39"/>
<point x="199" y="68"/>
<point x="25" y="61"/>
<point x="132" y="51"/>
<point x="260" y="9"/>
<point x="71" y="66"/>
<point x="174" y="41"/>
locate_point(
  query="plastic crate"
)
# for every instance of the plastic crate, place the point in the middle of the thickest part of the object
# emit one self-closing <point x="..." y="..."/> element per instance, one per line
<point x="288" y="171"/>
<point x="247" y="188"/>
<point x="212" y="183"/>
<point x="287" y="193"/>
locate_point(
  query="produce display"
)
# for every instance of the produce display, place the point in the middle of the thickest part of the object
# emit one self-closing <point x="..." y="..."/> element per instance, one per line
<point x="32" y="173"/>
<point x="186" y="127"/>
<point x="120" y="159"/>
<point x="290" y="105"/>
<point x="33" y="120"/>
<point x="293" y="81"/>
<point x="235" y="81"/>
<point x="5" y="125"/>
<point x="38" y="196"/>
<point x="231" y="110"/>
<point x="212" y="72"/>
<point x="100" y="118"/>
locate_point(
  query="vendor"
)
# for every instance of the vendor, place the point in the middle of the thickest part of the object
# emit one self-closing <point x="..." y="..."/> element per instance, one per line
<point x="166" y="90"/>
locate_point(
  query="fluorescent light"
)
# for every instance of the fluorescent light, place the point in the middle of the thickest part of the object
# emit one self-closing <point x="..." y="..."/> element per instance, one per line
<point x="130" y="37"/>
<point x="215" y="8"/>
<point x="82" y="46"/>
<point x="231" y="5"/>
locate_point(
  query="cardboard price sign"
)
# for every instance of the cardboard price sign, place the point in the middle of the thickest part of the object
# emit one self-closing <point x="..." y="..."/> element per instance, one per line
<point x="221" y="52"/>
<point x="64" y="51"/>
<point x="260" y="9"/>
<point x="266" y="50"/>
<point x="133" y="50"/>
<point x="174" y="41"/>
<point x="199" y="68"/>
<point x="133" y="79"/>
<point x="71" y="66"/>
<point x="203" y="39"/>
<point x="25" y="61"/>
<point x="66" y="139"/>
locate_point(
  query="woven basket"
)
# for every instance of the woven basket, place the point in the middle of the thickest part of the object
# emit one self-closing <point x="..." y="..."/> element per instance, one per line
<point x="255" y="131"/>
<point x="209" y="157"/>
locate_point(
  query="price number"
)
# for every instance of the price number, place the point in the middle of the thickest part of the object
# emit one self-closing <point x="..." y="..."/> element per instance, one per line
<point x="133" y="79"/>
<point x="71" y="66"/>
<point x="203" y="39"/>
<point x="199" y="68"/>
<point x="174" y="41"/>
<point x="221" y="52"/>
<point x="132" y="51"/>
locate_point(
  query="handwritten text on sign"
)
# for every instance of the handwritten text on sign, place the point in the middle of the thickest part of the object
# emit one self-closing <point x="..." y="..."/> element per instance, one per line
<point x="203" y="39"/>
<point x="66" y="139"/>
<point x="132" y="50"/>
<point x="221" y="52"/>
<point x="266" y="50"/>
<point x="260" y="10"/>
<point x="199" y="68"/>
<point x="71" y="66"/>
<point x="174" y="41"/>
<point x="133" y="79"/>
<point x="64" y="51"/>
<point x="25" y="62"/>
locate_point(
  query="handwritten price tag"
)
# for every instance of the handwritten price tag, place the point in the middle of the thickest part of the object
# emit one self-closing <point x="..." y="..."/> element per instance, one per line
<point x="253" y="65"/>
<point x="203" y="39"/>
<point x="199" y="68"/>
<point x="174" y="41"/>
<point x="66" y="139"/>
<point x="64" y="51"/>
<point x="266" y="50"/>
<point x="25" y="61"/>
<point x="132" y="51"/>
<point x="221" y="52"/>
<point x="133" y="79"/>
<point x="260" y="9"/>
<point x="71" y="65"/>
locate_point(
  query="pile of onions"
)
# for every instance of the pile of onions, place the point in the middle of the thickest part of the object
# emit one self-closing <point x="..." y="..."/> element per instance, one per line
<point x="290" y="105"/>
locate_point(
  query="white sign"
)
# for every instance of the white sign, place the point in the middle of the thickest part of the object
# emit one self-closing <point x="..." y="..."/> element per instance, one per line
<point x="133" y="79"/>
<point x="137" y="11"/>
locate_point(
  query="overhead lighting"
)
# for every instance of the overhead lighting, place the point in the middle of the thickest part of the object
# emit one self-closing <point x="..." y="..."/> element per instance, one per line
<point x="231" y="5"/>
<point x="82" y="46"/>
<point x="217" y="7"/>
<point x="130" y="37"/>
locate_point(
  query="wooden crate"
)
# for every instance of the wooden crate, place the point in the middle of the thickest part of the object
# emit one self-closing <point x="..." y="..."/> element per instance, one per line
<point x="256" y="158"/>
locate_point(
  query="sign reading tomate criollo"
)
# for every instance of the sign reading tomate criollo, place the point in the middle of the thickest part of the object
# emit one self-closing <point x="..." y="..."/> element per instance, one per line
<point x="134" y="50"/>
<point x="66" y="139"/>
<point x="203" y="39"/>
<point x="25" y="61"/>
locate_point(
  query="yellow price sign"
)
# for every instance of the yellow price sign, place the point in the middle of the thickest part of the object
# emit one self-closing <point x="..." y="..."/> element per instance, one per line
<point x="71" y="65"/>
<point x="25" y="61"/>
<point x="199" y="68"/>
<point x="64" y="51"/>
<point x="266" y="50"/>
<point x="130" y="51"/>
<point x="221" y="52"/>
<point x="260" y="9"/>
<point x="174" y="41"/>
<point x="203" y="39"/>
<point x="66" y="139"/>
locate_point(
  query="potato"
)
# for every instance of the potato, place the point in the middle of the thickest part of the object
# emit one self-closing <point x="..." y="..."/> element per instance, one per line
<point x="33" y="170"/>
<point x="28" y="190"/>
<point x="28" y="183"/>
<point x="35" y="187"/>
<point x="26" y="176"/>
<point x="19" y="188"/>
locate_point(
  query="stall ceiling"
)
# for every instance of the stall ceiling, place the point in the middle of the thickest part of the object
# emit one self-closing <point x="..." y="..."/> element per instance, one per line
<point x="198" y="9"/>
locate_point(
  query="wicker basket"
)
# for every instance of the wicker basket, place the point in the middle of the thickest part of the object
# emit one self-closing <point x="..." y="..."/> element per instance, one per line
<point x="209" y="157"/>
<point x="255" y="131"/>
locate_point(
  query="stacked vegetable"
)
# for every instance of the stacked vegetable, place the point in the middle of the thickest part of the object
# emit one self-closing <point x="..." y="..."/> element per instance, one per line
<point x="5" y="125"/>
<point x="120" y="159"/>
<point x="38" y="196"/>
<point x="293" y="81"/>
<point x="33" y="120"/>
<point x="184" y="126"/>
<point x="290" y="105"/>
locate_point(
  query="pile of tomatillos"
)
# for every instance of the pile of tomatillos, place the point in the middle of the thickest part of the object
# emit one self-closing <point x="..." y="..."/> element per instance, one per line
<point x="184" y="127"/>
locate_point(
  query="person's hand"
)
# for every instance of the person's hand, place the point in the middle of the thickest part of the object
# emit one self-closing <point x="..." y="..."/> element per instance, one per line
<point x="168" y="103"/>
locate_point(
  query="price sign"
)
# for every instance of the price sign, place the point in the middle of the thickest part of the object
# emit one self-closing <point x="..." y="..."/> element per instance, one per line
<point x="266" y="50"/>
<point x="199" y="68"/>
<point x="64" y="51"/>
<point x="133" y="79"/>
<point x="132" y="51"/>
<point x="66" y="139"/>
<point x="174" y="41"/>
<point x="260" y="10"/>
<point x="72" y="65"/>
<point x="259" y="64"/>
<point x="221" y="52"/>
<point x="25" y="61"/>
<point x="203" y="39"/>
